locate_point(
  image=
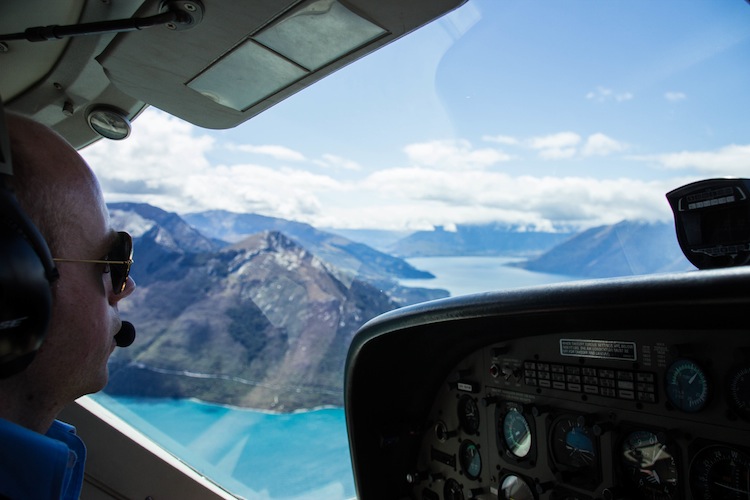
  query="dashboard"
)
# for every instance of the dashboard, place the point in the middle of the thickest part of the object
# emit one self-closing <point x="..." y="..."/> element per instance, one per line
<point x="611" y="389"/>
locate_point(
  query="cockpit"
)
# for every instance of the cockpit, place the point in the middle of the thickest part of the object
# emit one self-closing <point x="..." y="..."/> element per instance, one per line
<point x="320" y="193"/>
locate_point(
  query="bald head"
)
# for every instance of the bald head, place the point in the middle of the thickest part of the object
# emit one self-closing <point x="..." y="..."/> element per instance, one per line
<point x="59" y="192"/>
<point x="47" y="174"/>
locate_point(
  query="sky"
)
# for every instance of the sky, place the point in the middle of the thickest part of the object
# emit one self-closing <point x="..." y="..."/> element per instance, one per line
<point x="547" y="115"/>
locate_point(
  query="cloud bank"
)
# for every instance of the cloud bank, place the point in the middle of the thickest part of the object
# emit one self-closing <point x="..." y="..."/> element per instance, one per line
<point x="439" y="182"/>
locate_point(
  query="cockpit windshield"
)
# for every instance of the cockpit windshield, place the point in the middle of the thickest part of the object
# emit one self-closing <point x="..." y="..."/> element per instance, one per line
<point x="507" y="144"/>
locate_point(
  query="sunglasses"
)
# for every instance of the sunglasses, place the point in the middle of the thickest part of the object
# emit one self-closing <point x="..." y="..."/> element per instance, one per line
<point x="118" y="261"/>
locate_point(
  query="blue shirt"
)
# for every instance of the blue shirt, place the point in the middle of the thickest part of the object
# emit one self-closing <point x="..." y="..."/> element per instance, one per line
<point x="36" y="466"/>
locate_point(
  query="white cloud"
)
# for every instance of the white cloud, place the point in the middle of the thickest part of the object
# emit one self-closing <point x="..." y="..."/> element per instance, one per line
<point x="602" y="94"/>
<point x="159" y="145"/>
<point x="555" y="141"/>
<point x="285" y="192"/>
<point x="153" y="163"/>
<point x="501" y="139"/>
<point x="333" y="161"/>
<point x="564" y="145"/>
<point x="274" y="151"/>
<point x="675" y="96"/>
<point x="732" y="160"/>
<point x="453" y="155"/>
<point x="601" y="145"/>
<point x="557" y="153"/>
<point x="539" y="202"/>
<point x="165" y="163"/>
<point x="555" y="146"/>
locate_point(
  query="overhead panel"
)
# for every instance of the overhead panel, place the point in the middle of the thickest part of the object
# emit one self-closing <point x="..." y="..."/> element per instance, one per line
<point x="244" y="57"/>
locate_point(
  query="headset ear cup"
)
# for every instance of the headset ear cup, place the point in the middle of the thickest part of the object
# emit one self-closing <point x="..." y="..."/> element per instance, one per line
<point x="26" y="273"/>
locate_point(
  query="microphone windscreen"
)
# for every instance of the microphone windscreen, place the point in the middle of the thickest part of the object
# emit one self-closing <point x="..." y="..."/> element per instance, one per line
<point x="126" y="335"/>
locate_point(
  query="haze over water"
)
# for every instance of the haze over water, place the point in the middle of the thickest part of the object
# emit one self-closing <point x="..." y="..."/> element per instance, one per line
<point x="466" y="275"/>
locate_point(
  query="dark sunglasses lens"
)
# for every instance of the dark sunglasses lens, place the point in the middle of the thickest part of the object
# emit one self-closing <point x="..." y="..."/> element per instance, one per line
<point x="122" y="251"/>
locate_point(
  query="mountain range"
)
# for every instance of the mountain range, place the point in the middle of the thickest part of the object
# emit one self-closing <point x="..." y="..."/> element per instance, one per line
<point x="347" y="255"/>
<point x="259" y="312"/>
<point x="622" y="249"/>
<point x="263" y="322"/>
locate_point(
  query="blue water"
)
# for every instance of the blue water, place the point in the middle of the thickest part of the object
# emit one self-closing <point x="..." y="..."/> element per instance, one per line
<point x="465" y="275"/>
<point x="304" y="455"/>
<point x="253" y="454"/>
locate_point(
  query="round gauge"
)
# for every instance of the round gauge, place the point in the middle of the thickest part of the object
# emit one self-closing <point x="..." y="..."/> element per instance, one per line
<point x="720" y="472"/>
<point x="441" y="431"/>
<point x="516" y="432"/>
<point x="739" y="391"/>
<point x="514" y="487"/>
<point x="687" y="386"/>
<point x="649" y="465"/>
<point x="468" y="414"/>
<point x="453" y="490"/>
<point x="573" y="443"/>
<point x="471" y="460"/>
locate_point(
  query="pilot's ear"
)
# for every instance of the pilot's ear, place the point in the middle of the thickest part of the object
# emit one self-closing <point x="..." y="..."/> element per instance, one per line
<point x="26" y="274"/>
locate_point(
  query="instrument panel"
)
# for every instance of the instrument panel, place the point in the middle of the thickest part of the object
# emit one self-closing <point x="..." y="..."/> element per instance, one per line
<point x="602" y="415"/>
<point x="606" y="389"/>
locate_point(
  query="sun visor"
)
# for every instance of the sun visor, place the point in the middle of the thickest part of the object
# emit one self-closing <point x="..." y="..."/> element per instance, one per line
<point x="244" y="57"/>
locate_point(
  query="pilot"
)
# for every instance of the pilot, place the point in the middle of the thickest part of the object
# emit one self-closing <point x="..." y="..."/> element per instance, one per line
<point x="41" y="457"/>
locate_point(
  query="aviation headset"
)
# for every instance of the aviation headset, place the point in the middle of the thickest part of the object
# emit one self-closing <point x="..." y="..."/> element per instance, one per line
<point x="26" y="274"/>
